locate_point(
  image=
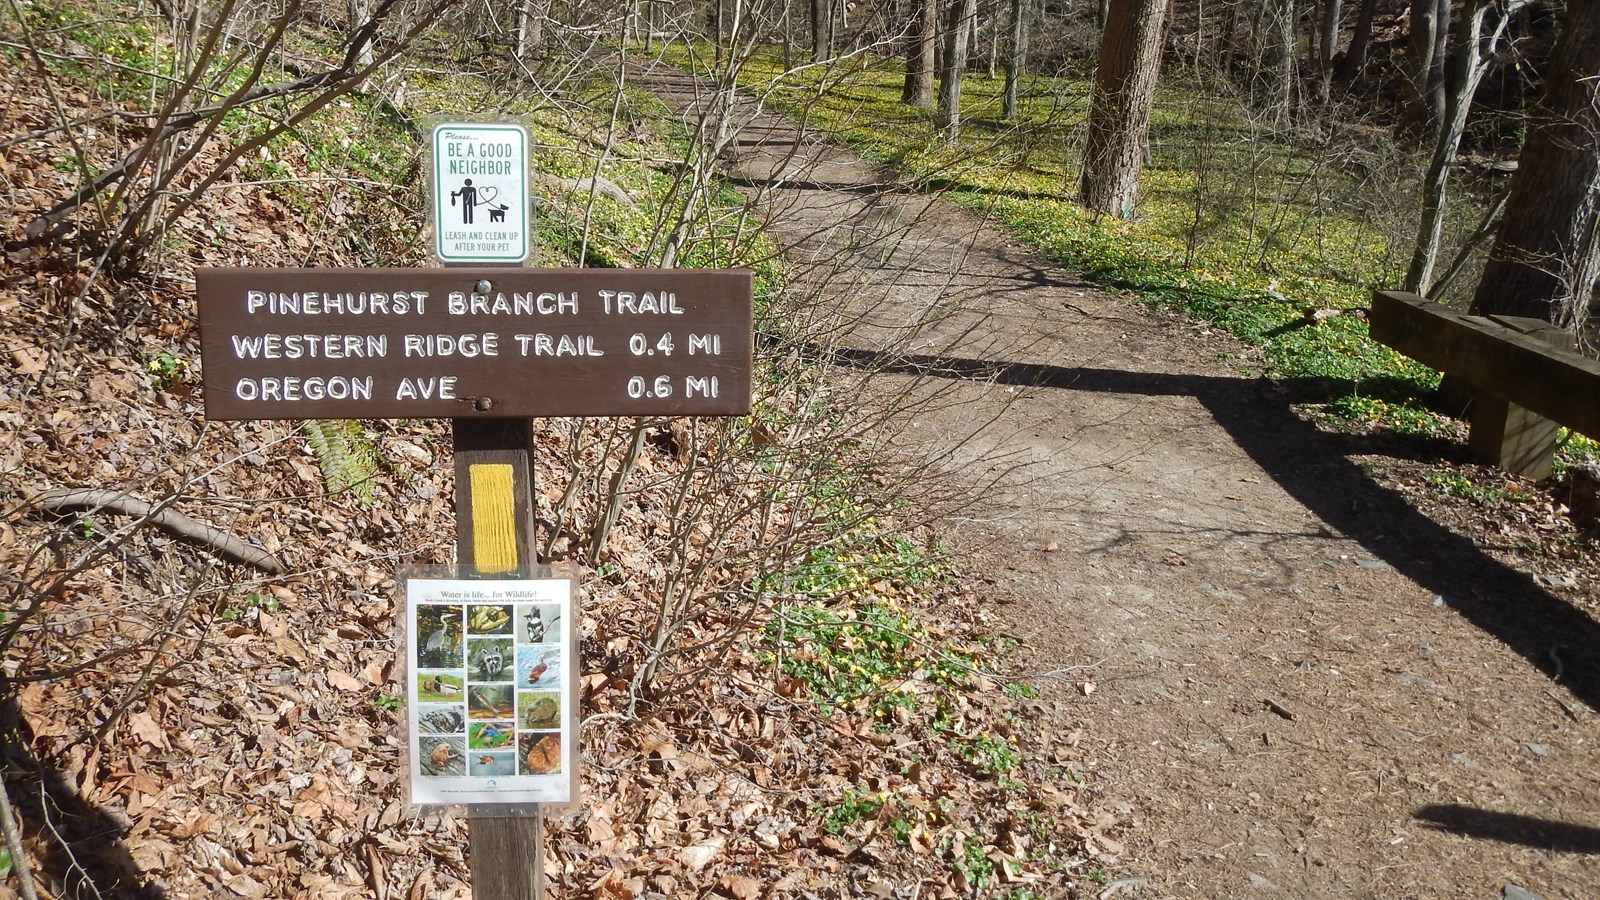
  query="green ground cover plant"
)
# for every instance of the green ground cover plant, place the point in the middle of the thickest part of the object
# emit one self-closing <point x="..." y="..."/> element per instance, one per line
<point x="1235" y="227"/>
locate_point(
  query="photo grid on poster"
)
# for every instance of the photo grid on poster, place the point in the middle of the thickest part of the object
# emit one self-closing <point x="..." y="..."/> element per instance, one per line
<point x="490" y="708"/>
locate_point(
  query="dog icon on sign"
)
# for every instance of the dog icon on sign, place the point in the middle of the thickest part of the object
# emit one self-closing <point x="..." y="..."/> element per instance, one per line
<point x="497" y="212"/>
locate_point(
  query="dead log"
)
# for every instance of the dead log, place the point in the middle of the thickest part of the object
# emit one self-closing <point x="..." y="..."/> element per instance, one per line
<point x="585" y="185"/>
<point x="178" y="524"/>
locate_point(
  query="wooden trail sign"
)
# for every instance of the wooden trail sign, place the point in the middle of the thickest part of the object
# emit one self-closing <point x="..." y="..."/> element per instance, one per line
<point x="489" y="349"/>
<point x="474" y="343"/>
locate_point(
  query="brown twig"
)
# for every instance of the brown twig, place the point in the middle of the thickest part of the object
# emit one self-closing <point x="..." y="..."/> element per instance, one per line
<point x="175" y="522"/>
<point x="134" y="692"/>
<point x="19" y="863"/>
<point x="1278" y="709"/>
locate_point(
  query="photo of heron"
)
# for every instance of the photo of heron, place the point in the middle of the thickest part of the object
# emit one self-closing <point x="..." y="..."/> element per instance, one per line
<point x="439" y="631"/>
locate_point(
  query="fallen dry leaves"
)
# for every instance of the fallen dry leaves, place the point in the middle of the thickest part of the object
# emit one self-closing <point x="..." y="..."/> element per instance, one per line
<point x="184" y="725"/>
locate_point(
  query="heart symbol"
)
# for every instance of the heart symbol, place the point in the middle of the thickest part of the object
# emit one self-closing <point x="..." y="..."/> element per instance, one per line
<point x="487" y="194"/>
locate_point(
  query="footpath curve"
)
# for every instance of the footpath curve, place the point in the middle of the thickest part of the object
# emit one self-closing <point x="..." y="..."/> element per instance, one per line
<point x="1274" y="675"/>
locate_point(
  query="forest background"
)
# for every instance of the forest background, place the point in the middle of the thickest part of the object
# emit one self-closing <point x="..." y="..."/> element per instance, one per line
<point x="789" y="686"/>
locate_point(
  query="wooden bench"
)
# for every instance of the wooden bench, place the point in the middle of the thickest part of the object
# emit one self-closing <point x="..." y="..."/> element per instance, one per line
<point x="1527" y="379"/>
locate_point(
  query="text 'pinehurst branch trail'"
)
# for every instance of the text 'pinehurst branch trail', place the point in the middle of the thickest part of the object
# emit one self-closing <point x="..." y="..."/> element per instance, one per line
<point x="457" y="303"/>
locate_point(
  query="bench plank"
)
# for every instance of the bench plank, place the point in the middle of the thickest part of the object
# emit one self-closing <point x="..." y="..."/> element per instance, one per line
<point x="1557" y="384"/>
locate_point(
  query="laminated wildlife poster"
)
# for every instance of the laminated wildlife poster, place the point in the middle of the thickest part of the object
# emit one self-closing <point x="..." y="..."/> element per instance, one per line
<point x="490" y="709"/>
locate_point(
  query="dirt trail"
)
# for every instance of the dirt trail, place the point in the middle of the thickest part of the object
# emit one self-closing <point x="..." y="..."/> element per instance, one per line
<point x="1302" y="687"/>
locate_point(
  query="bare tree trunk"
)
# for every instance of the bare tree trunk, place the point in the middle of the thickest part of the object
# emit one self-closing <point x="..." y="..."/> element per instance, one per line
<point x="734" y="22"/>
<point x="1327" y="47"/>
<point x="788" y="42"/>
<point x="1119" y="115"/>
<point x="360" y="11"/>
<point x="821" y="30"/>
<point x="972" y="33"/>
<point x="994" y="44"/>
<point x="1546" y="259"/>
<point x="1278" y="60"/>
<point x="1426" y="47"/>
<point x="1355" y="58"/>
<point x="920" y="43"/>
<point x="959" y="32"/>
<point x="1014" y="60"/>
<point x="530" y="27"/>
<point x="1473" y="51"/>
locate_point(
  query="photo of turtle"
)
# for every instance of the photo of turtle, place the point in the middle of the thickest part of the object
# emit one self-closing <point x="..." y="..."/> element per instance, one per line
<point x="440" y="718"/>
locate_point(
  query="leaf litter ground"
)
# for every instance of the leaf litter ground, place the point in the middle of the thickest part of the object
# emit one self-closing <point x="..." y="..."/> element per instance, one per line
<point x="181" y="726"/>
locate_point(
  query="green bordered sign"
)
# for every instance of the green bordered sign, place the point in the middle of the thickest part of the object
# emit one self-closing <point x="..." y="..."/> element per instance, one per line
<point x="480" y="192"/>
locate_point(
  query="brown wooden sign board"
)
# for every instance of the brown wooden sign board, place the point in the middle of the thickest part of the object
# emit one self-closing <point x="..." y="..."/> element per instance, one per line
<point x="474" y="342"/>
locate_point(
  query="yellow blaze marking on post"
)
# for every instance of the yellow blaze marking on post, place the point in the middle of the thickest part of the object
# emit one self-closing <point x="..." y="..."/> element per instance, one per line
<point x="494" y="518"/>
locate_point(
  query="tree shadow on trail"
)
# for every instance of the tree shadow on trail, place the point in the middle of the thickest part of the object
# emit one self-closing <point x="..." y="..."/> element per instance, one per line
<point x="1555" y="637"/>
<point x="1510" y="828"/>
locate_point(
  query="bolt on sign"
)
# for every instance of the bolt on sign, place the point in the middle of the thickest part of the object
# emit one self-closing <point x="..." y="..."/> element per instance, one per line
<point x="480" y="192"/>
<point x="474" y="343"/>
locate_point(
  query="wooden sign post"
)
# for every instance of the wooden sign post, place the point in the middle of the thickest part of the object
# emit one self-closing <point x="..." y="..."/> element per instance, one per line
<point x="489" y="349"/>
<point x="495" y="536"/>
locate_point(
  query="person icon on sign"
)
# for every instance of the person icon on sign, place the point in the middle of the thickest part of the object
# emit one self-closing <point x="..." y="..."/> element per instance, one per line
<point x="469" y="200"/>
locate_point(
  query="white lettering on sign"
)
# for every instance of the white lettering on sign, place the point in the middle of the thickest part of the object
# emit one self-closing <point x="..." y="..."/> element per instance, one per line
<point x="439" y="388"/>
<point x="643" y="303"/>
<point x="327" y="342"/>
<point x="704" y="387"/>
<point x="318" y="303"/>
<point x="558" y="345"/>
<point x="487" y="344"/>
<point x="470" y="345"/>
<point x="312" y="346"/>
<point x="290" y="388"/>
<point x="459" y="303"/>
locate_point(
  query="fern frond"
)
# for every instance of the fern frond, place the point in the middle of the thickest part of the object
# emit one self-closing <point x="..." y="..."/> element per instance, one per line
<point x="345" y="455"/>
